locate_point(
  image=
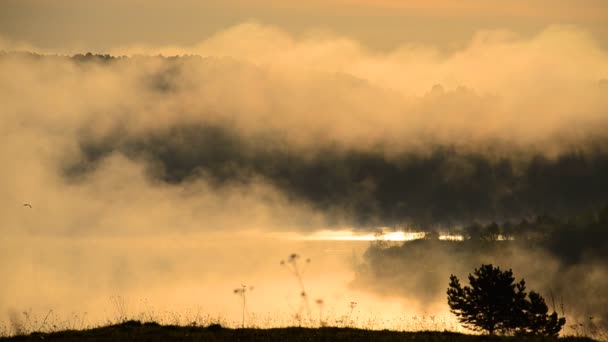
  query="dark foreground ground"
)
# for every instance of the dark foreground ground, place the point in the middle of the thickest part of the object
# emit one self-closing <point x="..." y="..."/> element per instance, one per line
<point x="136" y="331"/>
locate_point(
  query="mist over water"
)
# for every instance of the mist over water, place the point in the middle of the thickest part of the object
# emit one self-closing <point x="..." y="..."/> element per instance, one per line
<point x="161" y="180"/>
<point x="181" y="279"/>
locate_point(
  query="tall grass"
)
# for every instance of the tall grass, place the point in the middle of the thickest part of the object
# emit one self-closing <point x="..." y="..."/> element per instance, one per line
<point x="28" y="322"/>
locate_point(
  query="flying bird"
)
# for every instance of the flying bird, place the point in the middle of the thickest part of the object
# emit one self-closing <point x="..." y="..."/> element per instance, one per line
<point x="27" y="205"/>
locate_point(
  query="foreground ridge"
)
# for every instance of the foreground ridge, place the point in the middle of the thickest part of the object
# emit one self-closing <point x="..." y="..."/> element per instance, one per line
<point x="138" y="331"/>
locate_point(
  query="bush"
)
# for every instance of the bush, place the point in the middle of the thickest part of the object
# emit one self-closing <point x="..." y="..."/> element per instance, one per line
<point x="494" y="303"/>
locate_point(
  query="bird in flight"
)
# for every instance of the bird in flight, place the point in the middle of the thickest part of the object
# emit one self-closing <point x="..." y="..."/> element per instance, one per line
<point x="27" y="205"/>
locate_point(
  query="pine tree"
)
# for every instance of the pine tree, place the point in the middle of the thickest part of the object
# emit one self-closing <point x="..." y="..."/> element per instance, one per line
<point x="495" y="303"/>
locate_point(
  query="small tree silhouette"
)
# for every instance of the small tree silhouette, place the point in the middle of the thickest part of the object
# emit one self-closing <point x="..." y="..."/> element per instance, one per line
<point x="495" y="303"/>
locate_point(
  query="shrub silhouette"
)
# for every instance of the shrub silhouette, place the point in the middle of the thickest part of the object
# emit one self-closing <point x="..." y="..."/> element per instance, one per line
<point x="494" y="303"/>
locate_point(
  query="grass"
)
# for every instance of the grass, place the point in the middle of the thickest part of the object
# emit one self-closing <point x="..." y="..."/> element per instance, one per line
<point x="137" y="331"/>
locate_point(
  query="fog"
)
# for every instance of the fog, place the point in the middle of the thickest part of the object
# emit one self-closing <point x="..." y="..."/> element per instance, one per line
<point x="161" y="179"/>
<point x="574" y="288"/>
<point x="178" y="279"/>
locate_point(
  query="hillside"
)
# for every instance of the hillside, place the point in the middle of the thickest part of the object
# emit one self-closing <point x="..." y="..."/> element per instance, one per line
<point x="136" y="331"/>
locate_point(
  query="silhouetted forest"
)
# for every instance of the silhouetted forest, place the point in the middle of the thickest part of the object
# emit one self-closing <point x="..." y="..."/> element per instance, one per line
<point x="442" y="183"/>
<point x="445" y="186"/>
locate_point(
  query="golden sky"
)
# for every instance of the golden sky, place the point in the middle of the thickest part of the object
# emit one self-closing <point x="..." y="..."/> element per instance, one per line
<point x="379" y="24"/>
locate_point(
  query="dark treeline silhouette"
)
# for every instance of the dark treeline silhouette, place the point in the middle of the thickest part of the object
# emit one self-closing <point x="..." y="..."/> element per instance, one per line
<point x="365" y="186"/>
<point x="571" y="238"/>
<point x="89" y="56"/>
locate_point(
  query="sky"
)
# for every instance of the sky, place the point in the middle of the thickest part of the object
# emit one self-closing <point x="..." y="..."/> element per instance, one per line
<point x="157" y="185"/>
<point x="384" y="25"/>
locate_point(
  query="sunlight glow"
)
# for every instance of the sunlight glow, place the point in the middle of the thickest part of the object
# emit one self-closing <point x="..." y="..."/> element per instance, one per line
<point x="347" y="235"/>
